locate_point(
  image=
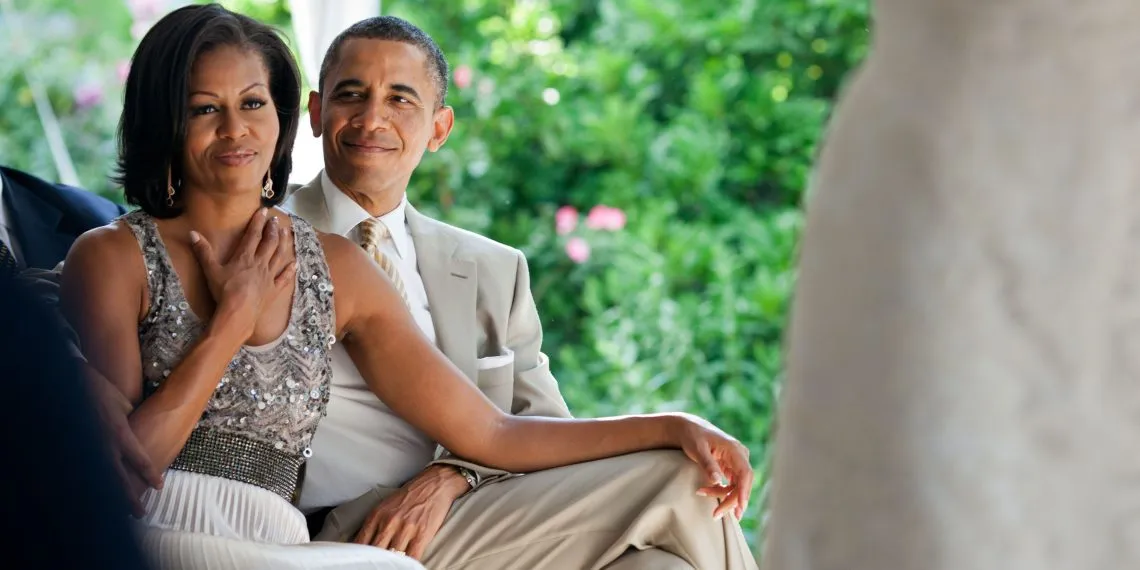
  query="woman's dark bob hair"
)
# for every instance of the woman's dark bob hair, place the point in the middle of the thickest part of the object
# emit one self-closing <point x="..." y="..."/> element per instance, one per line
<point x="152" y="130"/>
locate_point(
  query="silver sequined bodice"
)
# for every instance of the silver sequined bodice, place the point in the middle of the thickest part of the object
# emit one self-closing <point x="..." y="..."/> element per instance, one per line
<point x="271" y="396"/>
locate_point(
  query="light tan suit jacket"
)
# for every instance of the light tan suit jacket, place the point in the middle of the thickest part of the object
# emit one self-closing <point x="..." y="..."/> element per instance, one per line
<point x="482" y="308"/>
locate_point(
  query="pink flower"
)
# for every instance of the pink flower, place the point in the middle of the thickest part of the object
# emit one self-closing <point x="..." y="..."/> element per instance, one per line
<point x="122" y="70"/>
<point x="617" y="219"/>
<point x="565" y="220"/>
<point x="603" y="217"/>
<point x="463" y="76"/>
<point x="87" y="95"/>
<point x="577" y="250"/>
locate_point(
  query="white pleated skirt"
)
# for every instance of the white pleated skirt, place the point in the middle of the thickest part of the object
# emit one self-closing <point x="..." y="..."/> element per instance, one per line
<point x="202" y="522"/>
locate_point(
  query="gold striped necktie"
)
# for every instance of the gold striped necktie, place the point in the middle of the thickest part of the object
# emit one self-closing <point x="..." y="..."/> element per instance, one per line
<point x="372" y="234"/>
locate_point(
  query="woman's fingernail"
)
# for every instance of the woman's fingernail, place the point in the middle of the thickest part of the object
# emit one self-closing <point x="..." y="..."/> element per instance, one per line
<point x="264" y="212"/>
<point x="194" y="237"/>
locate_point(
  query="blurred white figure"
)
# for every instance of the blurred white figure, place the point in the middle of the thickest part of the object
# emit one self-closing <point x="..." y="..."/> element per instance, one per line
<point x="964" y="344"/>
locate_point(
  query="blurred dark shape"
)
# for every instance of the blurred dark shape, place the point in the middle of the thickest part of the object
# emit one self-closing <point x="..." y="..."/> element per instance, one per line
<point x="47" y="217"/>
<point x="63" y="505"/>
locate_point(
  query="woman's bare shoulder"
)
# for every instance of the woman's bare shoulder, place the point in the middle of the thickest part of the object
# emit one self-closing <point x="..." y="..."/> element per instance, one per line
<point x="341" y="252"/>
<point x="360" y="283"/>
<point x="110" y="246"/>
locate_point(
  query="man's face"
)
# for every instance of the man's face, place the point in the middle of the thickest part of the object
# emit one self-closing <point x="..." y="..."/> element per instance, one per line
<point x="377" y="112"/>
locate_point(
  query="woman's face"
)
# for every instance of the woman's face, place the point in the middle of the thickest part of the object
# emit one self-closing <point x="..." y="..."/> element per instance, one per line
<point x="232" y="128"/>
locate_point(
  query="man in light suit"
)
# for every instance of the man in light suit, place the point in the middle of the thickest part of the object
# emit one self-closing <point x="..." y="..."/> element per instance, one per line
<point x="380" y="107"/>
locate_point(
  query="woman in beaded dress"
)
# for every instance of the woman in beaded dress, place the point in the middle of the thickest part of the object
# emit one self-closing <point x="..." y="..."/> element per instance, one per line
<point x="227" y="361"/>
<point x="215" y="312"/>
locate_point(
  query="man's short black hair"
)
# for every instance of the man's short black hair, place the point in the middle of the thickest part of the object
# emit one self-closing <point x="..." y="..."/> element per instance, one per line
<point x="152" y="130"/>
<point x="393" y="29"/>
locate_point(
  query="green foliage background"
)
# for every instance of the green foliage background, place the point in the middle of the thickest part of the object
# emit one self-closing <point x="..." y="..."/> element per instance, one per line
<point x="698" y="118"/>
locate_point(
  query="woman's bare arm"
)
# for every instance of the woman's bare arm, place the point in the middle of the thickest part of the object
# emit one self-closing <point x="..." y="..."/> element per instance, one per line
<point x="413" y="378"/>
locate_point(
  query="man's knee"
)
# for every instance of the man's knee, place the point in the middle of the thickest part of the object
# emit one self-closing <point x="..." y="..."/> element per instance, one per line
<point x="673" y="477"/>
<point x="673" y="465"/>
<point x="666" y="459"/>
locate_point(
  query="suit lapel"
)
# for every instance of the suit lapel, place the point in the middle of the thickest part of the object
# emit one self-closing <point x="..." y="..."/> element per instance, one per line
<point x="36" y="226"/>
<point x="308" y="202"/>
<point x="449" y="279"/>
<point x="450" y="283"/>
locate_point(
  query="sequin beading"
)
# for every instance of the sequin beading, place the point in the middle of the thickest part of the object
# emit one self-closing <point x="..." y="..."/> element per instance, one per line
<point x="258" y="424"/>
<point x="241" y="459"/>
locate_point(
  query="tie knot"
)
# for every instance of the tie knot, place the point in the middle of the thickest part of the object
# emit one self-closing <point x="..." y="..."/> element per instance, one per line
<point x="372" y="231"/>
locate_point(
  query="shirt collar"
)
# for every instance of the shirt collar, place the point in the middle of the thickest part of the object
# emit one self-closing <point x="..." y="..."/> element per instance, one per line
<point x="345" y="215"/>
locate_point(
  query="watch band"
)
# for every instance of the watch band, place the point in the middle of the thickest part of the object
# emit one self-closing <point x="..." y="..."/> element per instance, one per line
<point x="469" y="475"/>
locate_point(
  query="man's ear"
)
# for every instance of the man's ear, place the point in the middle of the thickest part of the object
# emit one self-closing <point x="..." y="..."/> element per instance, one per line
<point x="315" y="113"/>
<point x="442" y="123"/>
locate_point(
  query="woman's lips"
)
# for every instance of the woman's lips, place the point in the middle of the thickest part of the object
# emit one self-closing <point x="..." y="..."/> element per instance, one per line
<point x="236" y="158"/>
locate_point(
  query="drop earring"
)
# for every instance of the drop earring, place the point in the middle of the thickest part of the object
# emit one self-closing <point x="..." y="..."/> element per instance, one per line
<point x="169" y="189"/>
<point x="267" y="189"/>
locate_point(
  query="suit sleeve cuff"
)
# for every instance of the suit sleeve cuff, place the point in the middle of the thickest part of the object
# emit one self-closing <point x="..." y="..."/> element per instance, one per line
<point x="483" y="474"/>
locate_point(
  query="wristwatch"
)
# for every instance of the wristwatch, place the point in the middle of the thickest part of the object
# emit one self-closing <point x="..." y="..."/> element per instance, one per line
<point x="469" y="475"/>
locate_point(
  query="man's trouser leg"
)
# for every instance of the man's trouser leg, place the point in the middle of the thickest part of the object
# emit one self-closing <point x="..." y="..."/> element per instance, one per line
<point x="580" y="516"/>
<point x="652" y="559"/>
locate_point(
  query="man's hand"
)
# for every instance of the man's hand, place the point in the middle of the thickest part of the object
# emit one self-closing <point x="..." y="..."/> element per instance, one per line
<point x="409" y="519"/>
<point x="131" y="461"/>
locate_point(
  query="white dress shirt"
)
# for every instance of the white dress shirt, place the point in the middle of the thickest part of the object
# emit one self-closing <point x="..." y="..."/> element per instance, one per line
<point x="7" y="233"/>
<point x="362" y="443"/>
<point x="346" y="217"/>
